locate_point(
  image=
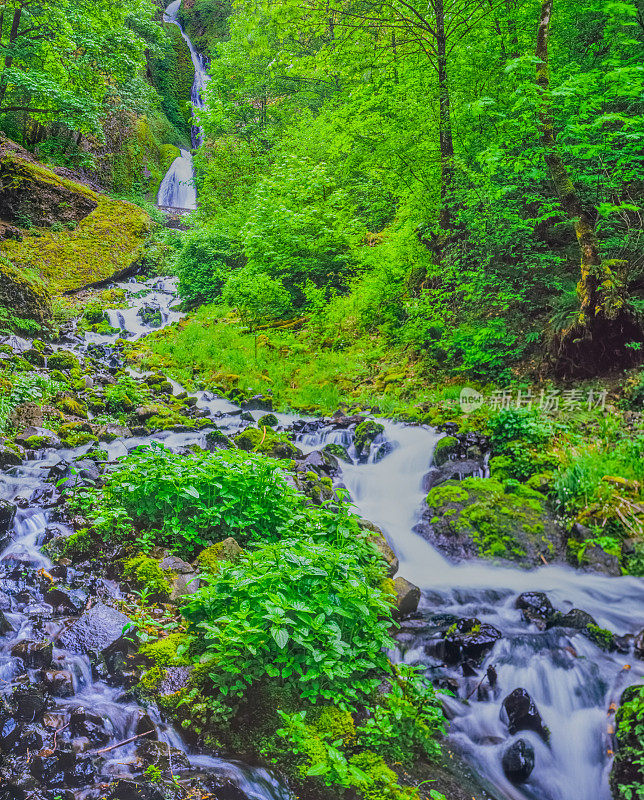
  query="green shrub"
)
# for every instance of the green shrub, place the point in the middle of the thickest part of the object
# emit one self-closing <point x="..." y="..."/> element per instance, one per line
<point x="303" y="613"/>
<point x="204" y="263"/>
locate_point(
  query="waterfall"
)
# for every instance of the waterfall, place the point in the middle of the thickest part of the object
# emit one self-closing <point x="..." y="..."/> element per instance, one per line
<point x="177" y="189"/>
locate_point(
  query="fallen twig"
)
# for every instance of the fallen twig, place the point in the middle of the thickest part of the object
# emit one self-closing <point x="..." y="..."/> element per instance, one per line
<point x="120" y="744"/>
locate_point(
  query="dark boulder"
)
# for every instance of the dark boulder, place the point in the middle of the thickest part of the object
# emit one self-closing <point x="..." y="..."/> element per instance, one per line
<point x="258" y="402"/>
<point x="95" y="630"/>
<point x="521" y="714"/>
<point x="576" y="619"/>
<point x="518" y="761"/>
<point x="407" y="597"/>
<point x="7" y="515"/>
<point x="469" y="640"/>
<point x="29" y="702"/>
<point x="535" y="607"/>
<point x="34" y="655"/>
<point x="58" y="683"/>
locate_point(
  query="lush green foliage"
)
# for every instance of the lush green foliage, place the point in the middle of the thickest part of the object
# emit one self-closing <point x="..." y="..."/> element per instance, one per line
<point x="26" y="387"/>
<point x="305" y="613"/>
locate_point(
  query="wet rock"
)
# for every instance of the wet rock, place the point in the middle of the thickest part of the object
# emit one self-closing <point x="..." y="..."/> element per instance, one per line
<point x="174" y="679"/>
<point x="94" y="631"/>
<point x="217" y="440"/>
<point x="381" y="544"/>
<point x="5" y="625"/>
<point x="575" y="618"/>
<point x="639" y="644"/>
<point x="83" y="723"/>
<point x="535" y="607"/>
<point x="45" y="496"/>
<point x="258" y="402"/>
<point x="324" y="463"/>
<point x="486" y="518"/>
<point x="144" y="413"/>
<point x="446" y="448"/>
<point x="63" y="769"/>
<point x="469" y="640"/>
<point x="150" y="315"/>
<point x="407" y="597"/>
<point x="518" y="761"/>
<point x="7" y="515"/>
<point x="60" y="601"/>
<point x="338" y="451"/>
<point x="34" y="655"/>
<point x="246" y="416"/>
<point x="628" y="769"/>
<point x="46" y="437"/>
<point x="131" y="790"/>
<point x="10" y="456"/>
<point x="29" y="702"/>
<point x="165" y="758"/>
<point x="364" y="436"/>
<point x="183" y="580"/>
<point x="58" y="683"/>
<point x="111" y="432"/>
<point x="521" y="714"/>
<point x="598" y="560"/>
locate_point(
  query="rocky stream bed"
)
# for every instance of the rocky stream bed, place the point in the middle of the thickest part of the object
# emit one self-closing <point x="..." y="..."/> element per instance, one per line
<point x="532" y="661"/>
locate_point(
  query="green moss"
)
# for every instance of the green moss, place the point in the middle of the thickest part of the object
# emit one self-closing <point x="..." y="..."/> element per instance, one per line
<point x="74" y="546"/>
<point x="72" y="407"/>
<point x="211" y="559"/>
<point x="267" y="442"/>
<point x="79" y="439"/>
<point x="364" y="435"/>
<point x="335" y="724"/>
<point x="268" y="421"/>
<point x="22" y="292"/>
<point x="449" y="492"/>
<point x="504" y="520"/>
<point x="63" y="360"/>
<point x="163" y="652"/>
<point x="601" y="636"/>
<point x="445" y="447"/>
<point x="36" y="442"/>
<point x="338" y="451"/>
<point x="147" y="573"/>
<point x="105" y="243"/>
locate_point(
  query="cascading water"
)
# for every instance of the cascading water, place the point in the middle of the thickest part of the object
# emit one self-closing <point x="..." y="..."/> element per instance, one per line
<point x="177" y="189"/>
<point x="572" y="681"/>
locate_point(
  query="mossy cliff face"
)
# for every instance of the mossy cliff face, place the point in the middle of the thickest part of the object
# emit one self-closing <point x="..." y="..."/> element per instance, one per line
<point x="482" y="517"/>
<point x="27" y="296"/>
<point x="75" y="236"/>
<point x="34" y="196"/>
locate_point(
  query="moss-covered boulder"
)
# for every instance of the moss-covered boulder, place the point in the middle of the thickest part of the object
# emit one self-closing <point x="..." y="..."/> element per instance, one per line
<point x="627" y="775"/>
<point x="267" y="442"/>
<point x="70" y="235"/>
<point x="211" y="559"/>
<point x="364" y="435"/>
<point x="445" y="448"/>
<point x="63" y="360"/>
<point x="23" y="293"/>
<point x="482" y="517"/>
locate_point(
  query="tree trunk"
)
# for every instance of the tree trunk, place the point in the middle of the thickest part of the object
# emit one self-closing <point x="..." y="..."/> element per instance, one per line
<point x="8" y="61"/>
<point x="604" y="326"/>
<point x="444" y="119"/>
<point x="584" y="227"/>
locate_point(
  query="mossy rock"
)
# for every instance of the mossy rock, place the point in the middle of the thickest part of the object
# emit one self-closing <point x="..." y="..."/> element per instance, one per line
<point x="268" y="421"/>
<point x="163" y="652"/>
<point x="627" y="774"/>
<point x="445" y="449"/>
<point x="147" y="572"/>
<point x="107" y="242"/>
<point x="63" y="360"/>
<point x="364" y="435"/>
<point x="72" y="407"/>
<point x="24" y="294"/>
<point x="486" y="518"/>
<point x="267" y="442"/>
<point x="211" y="559"/>
<point x="338" y="451"/>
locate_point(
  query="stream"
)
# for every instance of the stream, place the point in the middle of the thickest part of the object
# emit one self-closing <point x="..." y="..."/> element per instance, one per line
<point x="177" y="189"/>
<point x="571" y="680"/>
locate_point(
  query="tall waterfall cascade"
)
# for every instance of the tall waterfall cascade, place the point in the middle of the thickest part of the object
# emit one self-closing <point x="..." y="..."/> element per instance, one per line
<point x="177" y="189"/>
